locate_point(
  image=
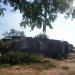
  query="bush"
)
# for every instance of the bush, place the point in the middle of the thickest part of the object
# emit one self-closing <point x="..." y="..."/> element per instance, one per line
<point x="19" y="57"/>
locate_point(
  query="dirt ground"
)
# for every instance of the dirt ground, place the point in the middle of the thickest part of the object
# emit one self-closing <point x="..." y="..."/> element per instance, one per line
<point x="63" y="67"/>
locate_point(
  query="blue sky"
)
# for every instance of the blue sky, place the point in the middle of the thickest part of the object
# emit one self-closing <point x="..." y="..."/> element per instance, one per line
<point x="63" y="29"/>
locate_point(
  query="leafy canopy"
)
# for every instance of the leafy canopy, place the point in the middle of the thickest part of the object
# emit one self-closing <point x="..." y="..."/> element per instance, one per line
<point x="41" y="35"/>
<point x="39" y="13"/>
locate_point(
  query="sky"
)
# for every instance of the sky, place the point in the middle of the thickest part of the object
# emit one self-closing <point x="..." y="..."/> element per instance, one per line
<point x="63" y="29"/>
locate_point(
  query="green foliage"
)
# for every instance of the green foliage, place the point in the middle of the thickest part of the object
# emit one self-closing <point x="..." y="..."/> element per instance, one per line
<point x="42" y="35"/>
<point x="4" y="65"/>
<point x="36" y="57"/>
<point x="19" y="57"/>
<point x="40" y="13"/>
<point x="13" y="34"/>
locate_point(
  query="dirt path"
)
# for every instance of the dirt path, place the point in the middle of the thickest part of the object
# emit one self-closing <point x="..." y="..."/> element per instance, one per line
<point x="64" y="67"/>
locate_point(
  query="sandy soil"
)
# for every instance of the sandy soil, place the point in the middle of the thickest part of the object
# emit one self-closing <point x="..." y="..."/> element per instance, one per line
<point x="63" y="67"/>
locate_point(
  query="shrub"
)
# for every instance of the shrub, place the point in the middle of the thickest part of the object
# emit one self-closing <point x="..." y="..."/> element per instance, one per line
<point x="19" y="57"/>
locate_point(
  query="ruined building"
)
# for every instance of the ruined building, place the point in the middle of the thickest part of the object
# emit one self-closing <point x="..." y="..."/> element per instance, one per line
<point x="48" y="47"/>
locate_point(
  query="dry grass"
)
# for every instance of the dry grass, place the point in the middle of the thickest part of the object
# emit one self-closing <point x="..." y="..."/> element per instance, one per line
<point x="46" y="67"/>
<point x="65" y="67"/>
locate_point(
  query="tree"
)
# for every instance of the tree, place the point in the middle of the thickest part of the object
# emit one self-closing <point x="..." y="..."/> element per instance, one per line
<point x="42" y="35"/>
<point x="40" y="13"/>
<point x="13" y="33"/>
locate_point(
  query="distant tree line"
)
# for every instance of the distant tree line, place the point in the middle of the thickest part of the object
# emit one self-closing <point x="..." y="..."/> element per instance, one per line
<point x="13" y="34"/>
